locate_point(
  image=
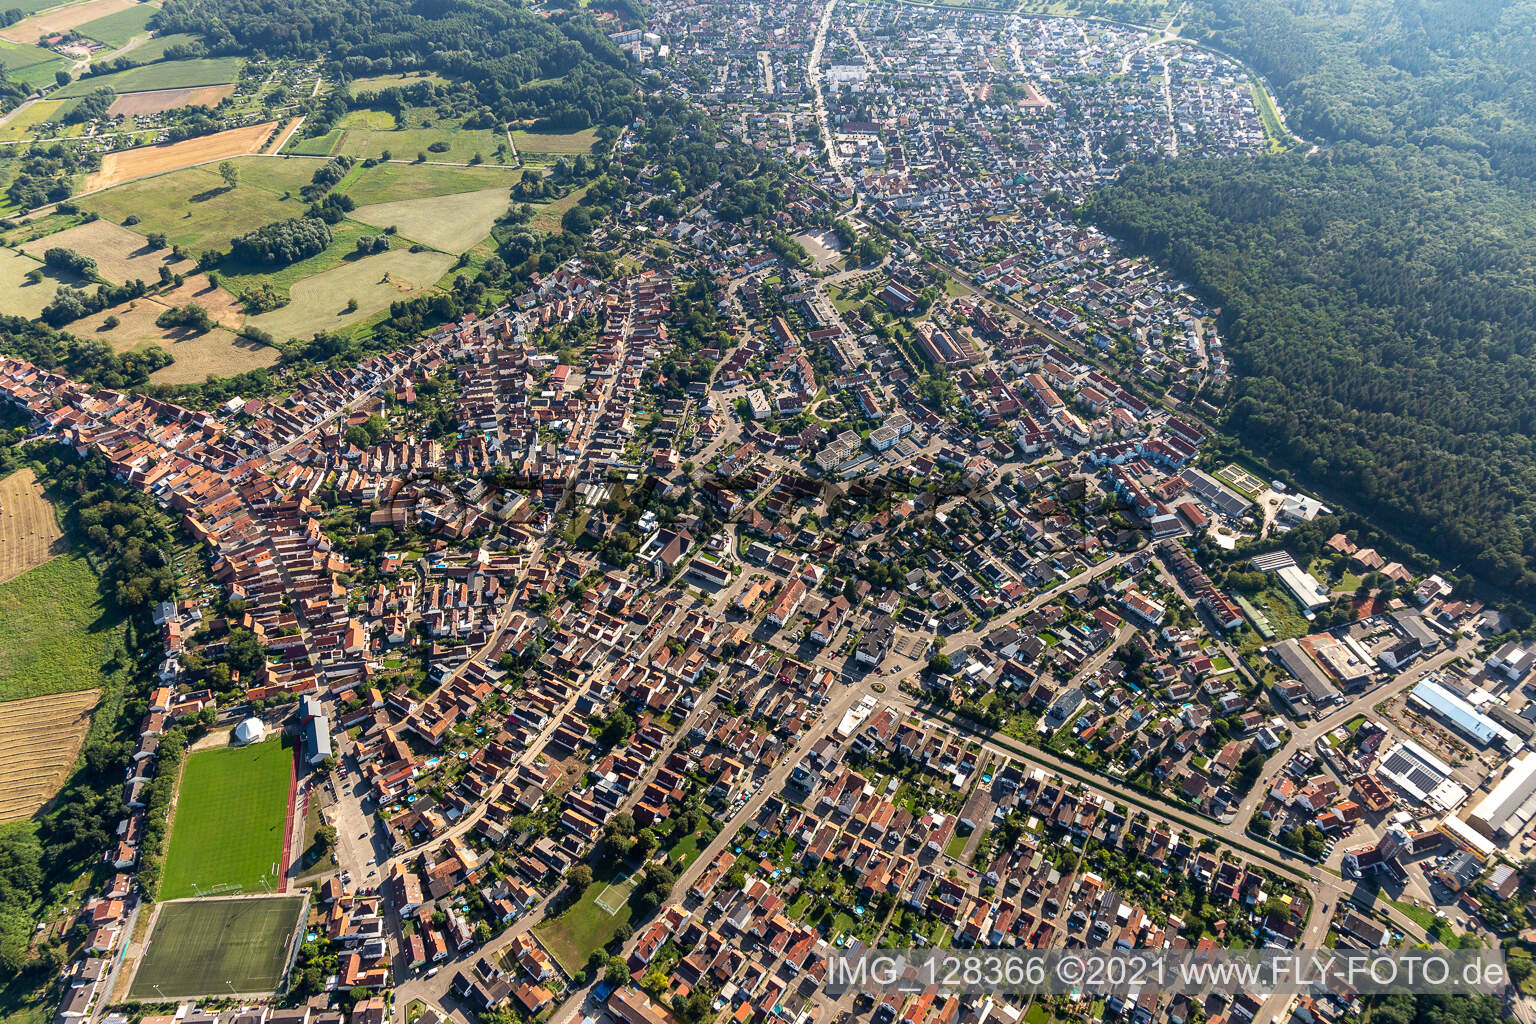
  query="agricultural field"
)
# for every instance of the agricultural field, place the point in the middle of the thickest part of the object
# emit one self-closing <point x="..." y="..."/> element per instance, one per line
<point x="28" y="64"/>
<point x="396" y="182"/>
<point x="205" y="947"/>
<point x="228" y="827"/>
<point x="56" y="633"/>
<point x="154" y="49"/>
<point x="17" y="294"/>
<point x="119" y="29"/>
<point x="39" y="740"/>
<point x="170" y="74"/>
<point x="61" y="19"/>
<point x="121" y="254"/>
<point x="158" y="101"/>
<point x="29" y="525"/>
<point x="452" y="223"/>
<point x="554" y="144"/>
<point x="318" y="303"/>
<point x="147" y="161"/>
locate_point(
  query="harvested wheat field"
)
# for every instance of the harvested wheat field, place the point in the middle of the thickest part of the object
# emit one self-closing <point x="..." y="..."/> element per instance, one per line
<point x="62" y="19"/>
<point x="158" y="101"/>
<point x="29" y="526"/>
<point x="117" y="168"/>
<point x="40" y="738"/>
<point x="121" y="255"/>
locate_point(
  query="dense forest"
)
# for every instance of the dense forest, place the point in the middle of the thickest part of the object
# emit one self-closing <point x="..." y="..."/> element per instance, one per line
<point x="561" y="71"/>
<point x="1380" y="292"/>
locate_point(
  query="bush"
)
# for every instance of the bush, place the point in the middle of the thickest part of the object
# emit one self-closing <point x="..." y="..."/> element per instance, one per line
<point x="262" y="298"/>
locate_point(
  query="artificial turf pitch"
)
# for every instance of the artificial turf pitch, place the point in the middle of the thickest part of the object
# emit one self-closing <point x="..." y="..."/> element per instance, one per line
<point x="217" y="946"/>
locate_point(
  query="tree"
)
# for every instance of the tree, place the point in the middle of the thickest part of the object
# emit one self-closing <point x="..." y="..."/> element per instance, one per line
<point x="230" y="173"/>
<point x="617" y="729"/>
<point x="325" y="839"/>
<point x="578" y="878"/>
<point x="617" y="972"/>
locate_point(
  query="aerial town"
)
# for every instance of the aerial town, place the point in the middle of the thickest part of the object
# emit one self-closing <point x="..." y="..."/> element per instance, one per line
<point x="629" y="650"/>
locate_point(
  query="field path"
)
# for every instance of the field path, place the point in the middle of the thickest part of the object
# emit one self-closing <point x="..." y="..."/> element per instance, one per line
<point x="281" y="138"/>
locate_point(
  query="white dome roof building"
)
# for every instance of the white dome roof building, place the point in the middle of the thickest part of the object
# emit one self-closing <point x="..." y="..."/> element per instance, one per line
<point x="249" y="731"/>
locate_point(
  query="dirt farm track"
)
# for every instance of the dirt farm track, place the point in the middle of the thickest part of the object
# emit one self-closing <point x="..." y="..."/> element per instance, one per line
<point x="40" y="738"/>
<point x="29" y="527"/>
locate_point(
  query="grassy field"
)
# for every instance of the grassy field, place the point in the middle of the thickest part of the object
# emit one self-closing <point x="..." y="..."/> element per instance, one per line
<point x="229" y="819"/>
<point x="24" y="124"/>
<point x="154" y="49"/>
<point x="55" y="632"/>
<point x="174" y="74"/>
<point x="203" y="947"/>
<point x="555" y="144"/>
<point x="117" y="29"/>
<point x="583" y="927"/>
<point x="369" y="133"/>
<point x="547" y="215"/>
<point x="31" y="65"/>
<point x="396" y="182"/>
<point x="239" y="277"/>
<point x="193" y="209"/>
<point x="374" y="83"/>
<point x="17" y="295"/>
<point x="451" y="223"/>
<point x="318" y="303"/>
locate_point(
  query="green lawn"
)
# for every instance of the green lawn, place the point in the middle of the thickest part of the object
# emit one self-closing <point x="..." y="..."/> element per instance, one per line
<point x="55" y="631"/>
<point x="229" y="818"/>
<point x="207" y="947"/>
<point x="685" y="851"/>
<point x="117" y="29"/>
<point x="172" y="74"/>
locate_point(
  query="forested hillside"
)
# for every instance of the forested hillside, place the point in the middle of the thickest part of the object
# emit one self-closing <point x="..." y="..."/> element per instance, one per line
<point x="1381" y="293"/>
<point x="562" y="71"/>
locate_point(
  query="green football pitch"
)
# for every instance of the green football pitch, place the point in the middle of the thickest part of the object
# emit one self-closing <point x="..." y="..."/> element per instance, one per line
<point x="216" y="947"/>
<point x="227" y="832"/>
